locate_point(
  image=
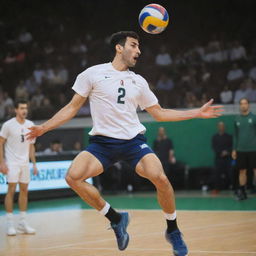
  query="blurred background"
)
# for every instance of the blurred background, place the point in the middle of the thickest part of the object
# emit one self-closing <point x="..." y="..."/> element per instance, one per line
<point x="207" y="51"/>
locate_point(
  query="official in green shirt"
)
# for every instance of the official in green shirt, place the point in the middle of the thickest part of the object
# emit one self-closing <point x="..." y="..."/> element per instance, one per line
<point x="244" y="146"/>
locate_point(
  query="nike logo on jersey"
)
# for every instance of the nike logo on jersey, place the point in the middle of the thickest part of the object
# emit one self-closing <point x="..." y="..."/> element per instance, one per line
<point x="107" y="77"/>
<point x="144" y="146"/>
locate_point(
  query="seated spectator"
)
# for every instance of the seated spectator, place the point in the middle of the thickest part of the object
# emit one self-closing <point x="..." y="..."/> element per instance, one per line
<point x="37" y="99"/>
<point x="235" y="73"/>
<point x="48" y="48"/>
<point x="54" y="149"/>
<point x="31" y="85"/>
<point x="237" y="52"/>
<point x="252" y="73"/>
<point x="9" y="58"/>
<point x="77" y="146"/>
<point x="21" y="91"/>
<point x="252" y="96"/>
<point x="164" y="86"/>
<point x="250" y="90"/>
<point x="163" y="58"/>
<point x="25" y="36"/>
<point x="39" y="74"/>
<point x="204" y="75"/>
<point x="45" y="110"/>
<point x="78" y="47"/>
<point x="240" y="93"/>
<point x="226" y="96"/>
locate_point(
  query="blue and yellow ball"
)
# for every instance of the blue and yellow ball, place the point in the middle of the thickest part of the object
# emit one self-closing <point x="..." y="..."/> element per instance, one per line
<point x="153" y="18"/>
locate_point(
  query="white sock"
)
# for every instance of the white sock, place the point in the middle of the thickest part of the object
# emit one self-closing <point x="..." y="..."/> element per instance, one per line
<point x="9" y="216"/>
<point x="170" y="216"/>
<point x="105" y="209"/>
<point x="22" y="215"/>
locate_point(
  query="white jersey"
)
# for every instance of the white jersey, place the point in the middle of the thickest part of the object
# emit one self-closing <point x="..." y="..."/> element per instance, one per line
<point x="17" y="146"/>
<point x="114" y="97"/>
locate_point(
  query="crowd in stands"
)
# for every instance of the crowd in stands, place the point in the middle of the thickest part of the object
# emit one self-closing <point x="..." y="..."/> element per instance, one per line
<point x="40" y="63"/>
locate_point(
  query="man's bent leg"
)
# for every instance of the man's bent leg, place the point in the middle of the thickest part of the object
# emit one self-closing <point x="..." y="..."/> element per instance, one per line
<point x="85" y="166"/>
<point x="150" y="167"/>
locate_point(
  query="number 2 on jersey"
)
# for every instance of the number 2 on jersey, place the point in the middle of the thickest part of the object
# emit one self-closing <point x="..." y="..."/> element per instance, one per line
<point x="121" y="92"/>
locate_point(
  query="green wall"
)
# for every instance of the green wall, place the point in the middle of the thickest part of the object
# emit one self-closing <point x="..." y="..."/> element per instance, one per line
<point x="191" y="138"/>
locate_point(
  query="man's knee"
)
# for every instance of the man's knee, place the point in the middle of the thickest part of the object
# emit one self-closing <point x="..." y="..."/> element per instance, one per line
<point x="161" y="180"/>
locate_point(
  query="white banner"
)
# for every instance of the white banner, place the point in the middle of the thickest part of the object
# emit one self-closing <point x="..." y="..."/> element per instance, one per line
<point x="51" y="175"/>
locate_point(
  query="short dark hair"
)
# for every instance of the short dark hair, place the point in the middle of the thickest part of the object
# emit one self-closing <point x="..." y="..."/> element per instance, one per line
<point x="120" y="38"/>
<point x="19" y="101"/>
<point x="244" y="99"/>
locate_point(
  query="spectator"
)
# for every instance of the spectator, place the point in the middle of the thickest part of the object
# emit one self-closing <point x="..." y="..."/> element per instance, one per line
<point x="240" y="93"/>
<point x="54" y="149"/>
<point x="164" y="86"/>
<point x="163" y="58"/>
<point x="39" y="74"/>
<point x="37" y="99"/>
<point x="235" y="73"/>
<point x="252" y="73"/>
<point x="77" y="146"/>
<point x="21" y="91"/>
<point x="25" y="36"/>
<point x="222" y="147"/>
<point x="237" y="52"/>
<point x="226" y="96"/>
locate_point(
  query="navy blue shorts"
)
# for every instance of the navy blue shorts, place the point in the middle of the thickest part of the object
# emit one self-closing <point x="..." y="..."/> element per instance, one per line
<point x="109" y="150"/>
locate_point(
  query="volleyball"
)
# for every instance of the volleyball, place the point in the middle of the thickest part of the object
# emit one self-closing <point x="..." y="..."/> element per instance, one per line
<point x="153" y="18"/>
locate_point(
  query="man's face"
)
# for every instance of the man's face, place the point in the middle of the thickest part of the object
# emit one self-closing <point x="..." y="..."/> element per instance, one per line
<point x="130" y="52"/>
<point x="161" y="131"/>
<point x="22" y="111"/>
<point x="221" y="127"/>
<point x="244" y="106"/>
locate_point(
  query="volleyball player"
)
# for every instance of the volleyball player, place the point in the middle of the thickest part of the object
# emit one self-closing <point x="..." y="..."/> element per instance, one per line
<point x="15" y="151"/>
<point x="114" y="93"/>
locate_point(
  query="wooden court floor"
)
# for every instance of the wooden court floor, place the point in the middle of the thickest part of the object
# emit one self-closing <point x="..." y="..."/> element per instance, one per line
<point x="84" y="233"/>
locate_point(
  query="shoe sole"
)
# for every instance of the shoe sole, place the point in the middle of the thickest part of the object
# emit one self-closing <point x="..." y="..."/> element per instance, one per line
<point x="23" y="232"/>
<point x="128" y="240"/>
<point x="11" y="234"/>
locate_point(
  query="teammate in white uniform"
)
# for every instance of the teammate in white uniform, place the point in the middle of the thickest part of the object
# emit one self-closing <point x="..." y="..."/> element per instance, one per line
<point x="15" y="151"/>
<point x="115" y="93"/>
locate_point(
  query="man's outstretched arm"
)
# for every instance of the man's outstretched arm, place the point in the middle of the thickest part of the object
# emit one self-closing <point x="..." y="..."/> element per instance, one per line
<point x="61" y="117"/>
<point x="167" y="115"/>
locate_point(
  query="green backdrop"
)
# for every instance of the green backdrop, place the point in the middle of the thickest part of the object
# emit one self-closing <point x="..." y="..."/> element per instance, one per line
<point x="191" y="138"/>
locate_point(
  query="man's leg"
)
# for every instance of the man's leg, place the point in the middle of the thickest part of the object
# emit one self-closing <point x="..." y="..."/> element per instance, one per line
<point x="242" y="183"/>
<point x="8" y="202"/>
<point x="85" y="166"/>
<point x="23" y="226"/>
<point x="150" y="167"/>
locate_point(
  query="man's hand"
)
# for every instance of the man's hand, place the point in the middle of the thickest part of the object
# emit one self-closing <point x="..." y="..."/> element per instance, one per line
<point x="35" y="131"/>
<point x="208" y="111"/>
<point x="3" y="168"/>
<point x="35" y="170"/>
<point x="234" y="155"/>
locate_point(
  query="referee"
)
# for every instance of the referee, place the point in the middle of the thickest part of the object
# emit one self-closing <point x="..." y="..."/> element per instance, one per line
<point x="244" y="149"/>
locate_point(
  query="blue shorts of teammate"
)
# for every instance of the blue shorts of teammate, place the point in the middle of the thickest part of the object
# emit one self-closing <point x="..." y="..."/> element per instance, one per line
<point x="109" y="150"/>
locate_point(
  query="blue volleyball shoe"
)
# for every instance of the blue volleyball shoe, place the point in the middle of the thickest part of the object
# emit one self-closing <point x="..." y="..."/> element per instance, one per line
<point x="175" y="239"/>
<point x="122" y="236"/>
